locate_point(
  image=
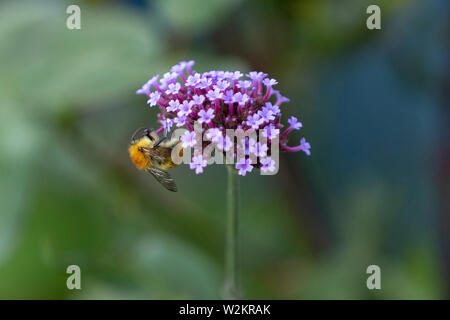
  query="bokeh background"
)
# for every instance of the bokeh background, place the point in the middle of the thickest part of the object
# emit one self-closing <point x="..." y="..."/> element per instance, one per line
<point x="376" y="189"/>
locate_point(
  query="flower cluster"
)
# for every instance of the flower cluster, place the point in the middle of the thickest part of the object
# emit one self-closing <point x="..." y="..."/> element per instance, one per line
<point x="221" y="100"/>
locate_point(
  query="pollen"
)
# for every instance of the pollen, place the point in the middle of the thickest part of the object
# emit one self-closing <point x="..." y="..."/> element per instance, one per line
<point x="139" y="159"/>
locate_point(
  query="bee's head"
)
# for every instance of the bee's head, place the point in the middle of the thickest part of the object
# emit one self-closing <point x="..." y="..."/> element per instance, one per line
<point x="144" y="133"/>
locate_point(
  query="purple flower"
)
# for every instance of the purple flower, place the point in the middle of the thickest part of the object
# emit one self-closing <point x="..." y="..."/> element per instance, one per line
<point x="181" y="66"/>
<point x="244" y="166"/>
<point x="228" y="96"/>
<point x="167" y="124"/>
<point x="180" y="120"/>
<point x="214" y="135"/>
<point x="280" y="98"/>
<point x="224" y="143"/>
<point x="226" y="74"/>
<point x="244" y="84"/>
<point x="190" y="64"/>
<point x="193" y="80"/>
<point x="219" y="75"/>
<point x="185" y="108"/>
<point x="256" y="76"/>
<point x="198" y="100"/>
<point x="305" y="146"/>
<point x="204" y="83"/>
<point x="173" y="88"/>
<point x="236" y="75"/>
<point x="206" y="116"/>
<point x="211" y="73"/>
<point x="232" y="102"/>
<point x="258" y="149"/>
<point x="188" y="140"/>
<point x="146" y="87"/>
<point x="221" y="85"/>
<point x="294" y="123"/>
<point x="178" y="68"/>
<point x="174" y="106"/>
<point x="168" y="77"/>
<point x="274" y="109"/>
<point x="240" y="98"/>
<point x="198" y="164"/>
<point x="253" y="121"/>
<point x="266" y="115"/>
<point x="270" y="82"/>
<point x="154" y="97"/>
<point x="214" y="95"/>
<point x="267" y="164"/>
<point x="271" y="132"/>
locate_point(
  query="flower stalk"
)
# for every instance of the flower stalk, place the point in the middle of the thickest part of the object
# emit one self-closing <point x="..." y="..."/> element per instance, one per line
<point x="232" y="237"/>
<point x="221" y="101"/>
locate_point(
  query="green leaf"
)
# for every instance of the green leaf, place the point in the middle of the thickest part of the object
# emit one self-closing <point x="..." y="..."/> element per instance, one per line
<point x="43" y="63"/>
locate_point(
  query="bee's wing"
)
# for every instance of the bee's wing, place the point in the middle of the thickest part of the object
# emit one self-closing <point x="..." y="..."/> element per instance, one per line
<point x="164" y="178"/>
<point x="158" y="154"/>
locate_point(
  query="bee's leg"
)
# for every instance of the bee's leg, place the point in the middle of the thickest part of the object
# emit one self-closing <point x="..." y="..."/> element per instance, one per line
<point x="163" y="138"/>
<point x="172" y="142"/>
<point x="159" y="141"/>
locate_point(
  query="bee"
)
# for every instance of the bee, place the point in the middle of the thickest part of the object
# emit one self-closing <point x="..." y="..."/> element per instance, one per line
<point x="152" y="153"/>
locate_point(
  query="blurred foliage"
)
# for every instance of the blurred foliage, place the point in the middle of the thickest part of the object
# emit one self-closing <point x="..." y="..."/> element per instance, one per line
<point x="369" y="100"/>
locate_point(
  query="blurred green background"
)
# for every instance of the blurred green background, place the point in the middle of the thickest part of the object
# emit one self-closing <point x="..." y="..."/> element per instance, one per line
<point x="376" y="189"/>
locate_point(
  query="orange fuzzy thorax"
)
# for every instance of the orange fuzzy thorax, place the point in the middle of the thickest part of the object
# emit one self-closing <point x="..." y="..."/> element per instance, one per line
<point x="140" y="160"/>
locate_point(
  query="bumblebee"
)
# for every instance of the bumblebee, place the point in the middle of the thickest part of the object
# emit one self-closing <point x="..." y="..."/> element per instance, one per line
<point x="152" y="153"/>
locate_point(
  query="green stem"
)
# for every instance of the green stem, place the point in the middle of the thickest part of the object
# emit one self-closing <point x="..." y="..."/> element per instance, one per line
<point x="232" y="248"/>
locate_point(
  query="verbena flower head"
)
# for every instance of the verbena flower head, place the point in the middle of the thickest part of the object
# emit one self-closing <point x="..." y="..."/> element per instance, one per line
<point x="221" y="100"/>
